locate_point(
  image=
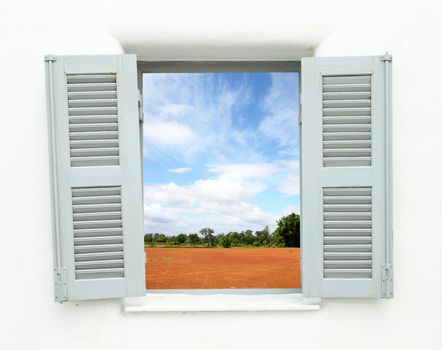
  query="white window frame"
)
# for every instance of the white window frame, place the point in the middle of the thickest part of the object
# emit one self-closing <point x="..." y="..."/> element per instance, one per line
<point x="252" y="299"/>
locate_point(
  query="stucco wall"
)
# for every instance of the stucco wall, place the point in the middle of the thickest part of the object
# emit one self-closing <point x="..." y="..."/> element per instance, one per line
<point x="221" y="30"/>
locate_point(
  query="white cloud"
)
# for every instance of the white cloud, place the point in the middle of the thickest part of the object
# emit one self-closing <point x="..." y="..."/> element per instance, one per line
<point x="192" y="117"/>
<point x="168" y="133"/>
<point x="168" y="194"/>
<point x="156" y="213"/>
<point x="289" y="179"/>
<point x="225" y="201"/>
<point x="179" y="170"/>
<point x="243" y="171"/>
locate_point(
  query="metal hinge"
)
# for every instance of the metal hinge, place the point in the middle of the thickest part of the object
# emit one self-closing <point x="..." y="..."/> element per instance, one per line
<point x="387" y="281"/>
<point x="61" y="288"/>
<point x="50" y="58"/>
<point x="140" y="106"/>
<point x="386" y="57"/>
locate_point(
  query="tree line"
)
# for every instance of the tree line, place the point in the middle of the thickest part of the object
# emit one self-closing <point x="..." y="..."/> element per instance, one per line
<point x="287" y="234"/>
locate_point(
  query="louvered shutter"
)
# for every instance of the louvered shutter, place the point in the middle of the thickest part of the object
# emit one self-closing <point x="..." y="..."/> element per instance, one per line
<point x="345" y="191"/>
<point x="96" y="176"/>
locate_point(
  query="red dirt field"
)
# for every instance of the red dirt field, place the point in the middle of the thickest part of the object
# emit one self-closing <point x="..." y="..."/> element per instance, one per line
<point x="221" y="268"/>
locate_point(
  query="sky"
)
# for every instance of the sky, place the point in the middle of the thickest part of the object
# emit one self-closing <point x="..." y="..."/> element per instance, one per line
<point x="221" y="150"/>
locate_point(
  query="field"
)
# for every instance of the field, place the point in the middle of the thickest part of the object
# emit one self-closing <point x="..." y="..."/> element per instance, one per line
<point x="201" y="268"/>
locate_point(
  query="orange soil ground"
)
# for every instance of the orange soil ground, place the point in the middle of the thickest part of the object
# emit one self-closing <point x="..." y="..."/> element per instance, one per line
<point x="199" y="268"/>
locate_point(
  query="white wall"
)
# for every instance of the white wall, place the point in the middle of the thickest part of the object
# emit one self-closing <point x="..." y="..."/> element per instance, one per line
<point x="249" y="29"/>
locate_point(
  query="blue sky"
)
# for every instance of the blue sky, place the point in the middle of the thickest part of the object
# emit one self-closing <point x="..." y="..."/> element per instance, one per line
<point x="220" y="150"/>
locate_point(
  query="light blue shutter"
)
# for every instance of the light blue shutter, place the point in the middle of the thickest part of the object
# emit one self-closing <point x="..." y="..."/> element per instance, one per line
<point x="96" y="176"/>
<point x="345" y="191"/>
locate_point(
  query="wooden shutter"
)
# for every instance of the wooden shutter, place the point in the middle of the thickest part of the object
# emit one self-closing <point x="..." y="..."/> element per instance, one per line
<point x="96" y="176"/>
<point x="345" y="191"/>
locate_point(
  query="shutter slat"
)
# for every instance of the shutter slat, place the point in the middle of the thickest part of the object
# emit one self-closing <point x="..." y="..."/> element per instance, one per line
<point x="91" y="240"/>
<point x="98" y="248"/>
<point x="347" y="273"/>
<point x="347" y="119"/>
<point x="86" y="119"/>
<point x="90" y="78"/>
<point x="94" y="135"/>
<point x="344" y="161"/>
<point x="92" y="111"/>
<point x="93" y="127"/>
<point x="349" y="79"/>
<point x="341" y="136"/>
<point x="347" y="224"/>
<point x="336" y="199"/>
<point x="97" y="224"/>
<point x="347" y="144"/>
<point x="345" y="264"/>
<point x="99" y="256"/>
<point x="91" y="152"/>
<point x="100" y="273"/>
<point x="93" y="103"/>
<point x="346" y="216"/>
<point x="343" y="103"/>
<point x="98" y="232"/>
<point x="347" y="152"/>
<point x="347" y="207"/>
<point x="86" y="87"/>
<point x="93" y="143"/>
<point x="103" y="215"/>
<point x="346" y="127"/>
<point x="346" y="95"/>
<point x="343" y="111"/>
<point x="347" y="255"/>
<point x="99" y="264"/>
<point x="347" y="232"/>
<point x="92" y="161"/>
<point x="93" y="95"/>
<point x="346" y="247"/>
<point x="97" y="200"/>
<point x="347" y="239"/>
<point x="347" y="191"/>
<point x="347" y="88"/>
<point x="90" y="208"/>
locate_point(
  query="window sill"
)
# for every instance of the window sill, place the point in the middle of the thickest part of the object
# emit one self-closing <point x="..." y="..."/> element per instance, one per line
<point x="211" y="301"/>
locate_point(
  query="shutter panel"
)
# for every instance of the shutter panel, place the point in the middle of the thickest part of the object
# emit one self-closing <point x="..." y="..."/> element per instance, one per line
<point x="96" y="176"/>
<point x="345" y="187"/>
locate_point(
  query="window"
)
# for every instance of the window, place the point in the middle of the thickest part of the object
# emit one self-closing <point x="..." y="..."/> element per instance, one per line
<point x="221" y="177"/>
<point x="94" y="122"/>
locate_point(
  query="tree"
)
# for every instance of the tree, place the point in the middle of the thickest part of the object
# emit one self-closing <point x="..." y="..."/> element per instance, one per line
<point x="194" y="238"/>
<point x="289" y="230"/>
<point x="225" y="241"/>
<point x="208" y="236"/>
<point x="148" y="238"/>
<point x="263" y="236"/>
<point x="181" y="238"/>
<point x="249" y="238"/>
<point x="159" y="238"/>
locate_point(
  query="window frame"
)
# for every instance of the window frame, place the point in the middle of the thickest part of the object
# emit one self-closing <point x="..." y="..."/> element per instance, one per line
<point x="225" y="66"/>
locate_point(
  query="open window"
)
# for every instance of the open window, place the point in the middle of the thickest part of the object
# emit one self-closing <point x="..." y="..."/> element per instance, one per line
<point x="97" y="184"/>
<point x="221" y="175"/>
